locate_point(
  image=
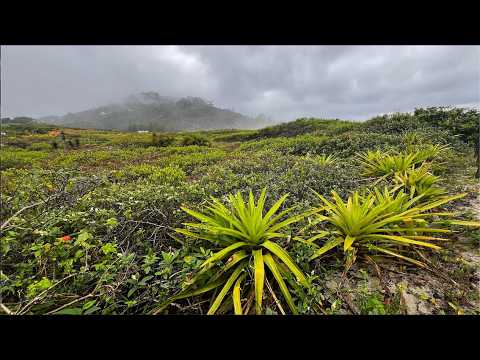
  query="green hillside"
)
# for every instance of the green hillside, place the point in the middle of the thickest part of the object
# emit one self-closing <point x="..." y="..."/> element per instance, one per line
<point x="381" y="217"/>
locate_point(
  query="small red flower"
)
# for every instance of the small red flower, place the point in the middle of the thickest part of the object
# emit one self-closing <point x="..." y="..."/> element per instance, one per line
<point x="66" y="238"/>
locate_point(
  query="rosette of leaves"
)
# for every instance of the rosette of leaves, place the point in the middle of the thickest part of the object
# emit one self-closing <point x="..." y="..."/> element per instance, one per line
<point x="430" y="152"/>
<point x="385" y="222"/>
<point x="418" y="181"/>
<point x="243" y="234"/>
<point x="379" y="163"/>
<point x="326" y="159"/>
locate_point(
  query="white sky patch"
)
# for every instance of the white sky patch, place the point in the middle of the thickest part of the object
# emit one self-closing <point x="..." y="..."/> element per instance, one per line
<point x="475" y="105"/>
<point x="282" y="82"/>
<point x="175" y="56"/>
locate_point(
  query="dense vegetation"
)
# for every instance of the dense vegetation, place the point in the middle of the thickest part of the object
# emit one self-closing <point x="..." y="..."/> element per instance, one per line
<point x="308" y="217"/>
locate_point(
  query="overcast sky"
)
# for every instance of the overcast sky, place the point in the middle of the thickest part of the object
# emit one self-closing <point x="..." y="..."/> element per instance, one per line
<point x="283" y="82"/>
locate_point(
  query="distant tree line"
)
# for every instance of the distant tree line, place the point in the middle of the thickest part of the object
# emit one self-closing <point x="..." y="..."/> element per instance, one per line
<point x="17" y="120"/>
<point x="463" y="122"/>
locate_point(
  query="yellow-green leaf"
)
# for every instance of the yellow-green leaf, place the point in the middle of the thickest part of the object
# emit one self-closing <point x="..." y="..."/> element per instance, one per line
<point x="237" y="301"/>
<point x="464" y="223"/>
<point x="283" y="255"/>
<point x="218" y="301"/>
<point x="347" y="244"/>
<point x="329" y="245"/>
<point x="222" y="253"/>
<point x="281" y="283"/>
<point x="386" y="251"/>
<point x="259" y="279"/>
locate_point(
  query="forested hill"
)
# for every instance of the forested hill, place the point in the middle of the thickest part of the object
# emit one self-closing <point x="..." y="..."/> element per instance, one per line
<point x="150" y="111"/>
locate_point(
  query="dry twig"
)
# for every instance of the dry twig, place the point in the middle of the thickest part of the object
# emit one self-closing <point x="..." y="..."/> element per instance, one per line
<point x="274" y="297"/>
<point x="26" y="208"/>
<point x="39" y="296"/>
<point x="6" y="309"/>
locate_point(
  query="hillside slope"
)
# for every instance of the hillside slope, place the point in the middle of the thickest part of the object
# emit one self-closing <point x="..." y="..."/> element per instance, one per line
<point x="150" y="111"/>
<point x="89" y="219"/>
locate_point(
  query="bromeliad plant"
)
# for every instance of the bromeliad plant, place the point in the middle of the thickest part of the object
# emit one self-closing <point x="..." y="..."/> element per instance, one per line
<point x="430" y="152"/>
<point x="418" y="181"/>
<point x="244" y="234"/>
<point x="378" y="163"/>
<point x="326" y="159"/>
<point x="379" y="221"/>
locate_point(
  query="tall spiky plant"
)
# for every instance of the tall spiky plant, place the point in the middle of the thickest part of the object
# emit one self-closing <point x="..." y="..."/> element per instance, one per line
<point x="244" y="233"/>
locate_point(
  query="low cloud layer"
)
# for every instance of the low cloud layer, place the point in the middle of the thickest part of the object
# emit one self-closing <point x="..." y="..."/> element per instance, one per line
<point x="283" y="82"/>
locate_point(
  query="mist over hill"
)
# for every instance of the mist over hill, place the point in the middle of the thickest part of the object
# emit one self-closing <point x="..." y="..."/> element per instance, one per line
<point x="151" y="111"/>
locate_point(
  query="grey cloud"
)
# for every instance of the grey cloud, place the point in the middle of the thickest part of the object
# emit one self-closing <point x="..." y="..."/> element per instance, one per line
<point x="283" y="82"/>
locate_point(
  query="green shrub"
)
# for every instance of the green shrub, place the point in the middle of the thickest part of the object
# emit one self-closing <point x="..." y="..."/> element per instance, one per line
<point x="350" y="143"/>
<point x="125" y="139"/>
<point x="343" y="145"/>
<point x="18" y="143"/>
<point x="300" y="145"/>
<point x="162" y="140"/>
<point x="281" y="174"/>
<point x="21" y="187"/>
<point x="441" y="125"/>
<point x="234" y="136"/>
<point x="87" y="158"/>
<point x="164" y="175"/>
<point x="16" y="158"/>
<point x="394" y="124"/>
<point x="459" y="121"/>
<point x="168" y="175"/>
<point x="40" y="146"/>
<point x="192" y="160"/>
<point x="195" y="139"/>
<point x="304" y="126"/>
<point x="137" y="171"/>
